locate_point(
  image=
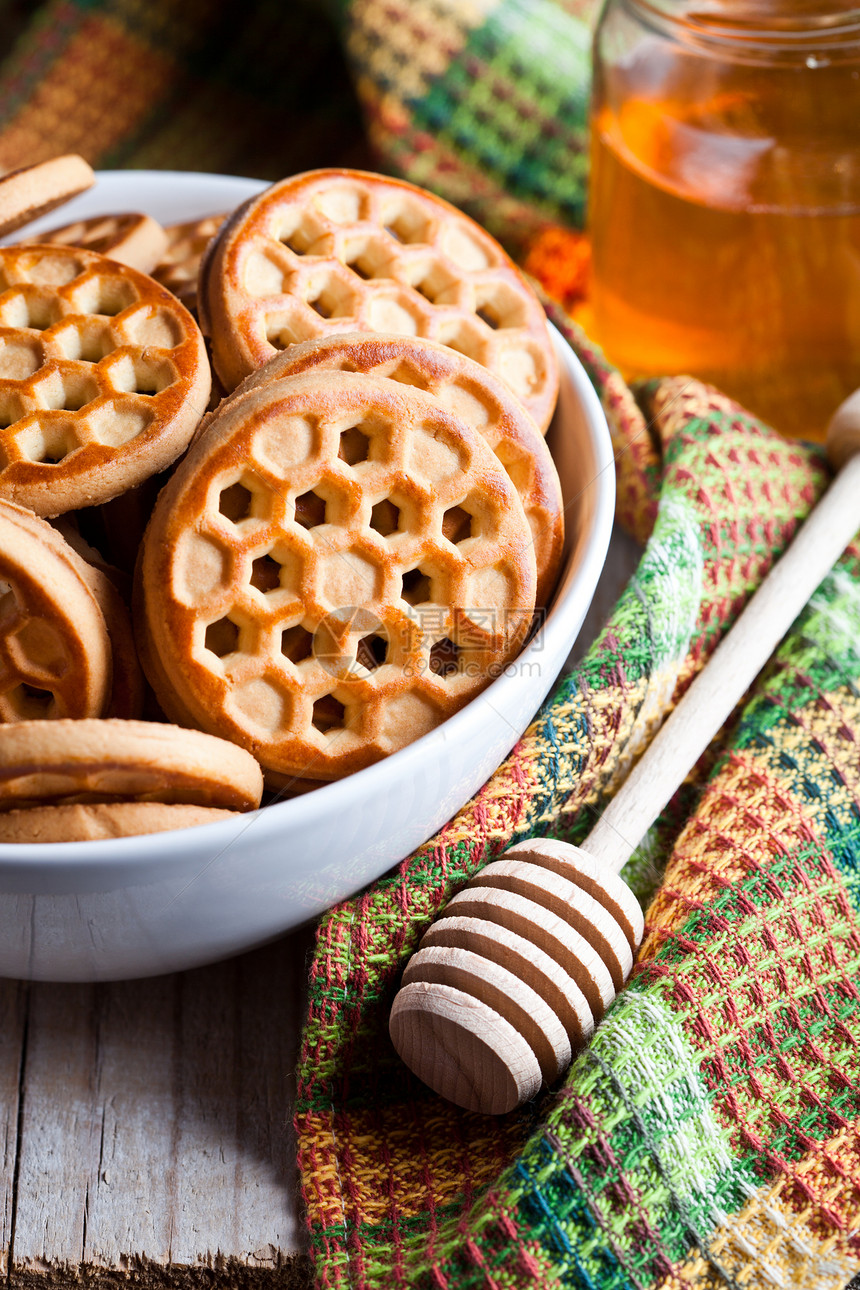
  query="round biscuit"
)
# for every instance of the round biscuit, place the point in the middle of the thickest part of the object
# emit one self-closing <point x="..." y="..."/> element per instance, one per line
<point x="103" y="377"/>
<point x="95" y="821"/>
<point x="55" y="652"/>
<point x="344" y="250"/>
<point x="31" y="191"/>
<point x="66" y="762"/>
<point x="336" y="566"/>
<point x="465" y="388"/>
<point x="131" y="238"/>
<point x="126" y="693"/>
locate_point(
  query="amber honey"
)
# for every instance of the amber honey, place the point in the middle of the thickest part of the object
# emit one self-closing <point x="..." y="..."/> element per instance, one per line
<point x="725" y="220"/>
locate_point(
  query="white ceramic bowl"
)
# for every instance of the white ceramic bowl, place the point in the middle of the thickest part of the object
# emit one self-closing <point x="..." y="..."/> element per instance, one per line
<point x="140" y="906"/>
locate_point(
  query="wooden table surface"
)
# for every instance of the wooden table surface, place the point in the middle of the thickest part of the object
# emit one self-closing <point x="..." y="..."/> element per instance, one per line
<point x="147" y="1125"/>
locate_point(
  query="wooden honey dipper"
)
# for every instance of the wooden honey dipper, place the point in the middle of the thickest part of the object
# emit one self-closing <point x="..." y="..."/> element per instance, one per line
<point x="514" y="974"/>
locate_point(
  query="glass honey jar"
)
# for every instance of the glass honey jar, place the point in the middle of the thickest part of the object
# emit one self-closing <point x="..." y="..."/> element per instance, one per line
<point x="725" y="199"/>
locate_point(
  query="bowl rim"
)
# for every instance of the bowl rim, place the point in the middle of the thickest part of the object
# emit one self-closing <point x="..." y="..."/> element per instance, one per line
<point x="123" y="852"/>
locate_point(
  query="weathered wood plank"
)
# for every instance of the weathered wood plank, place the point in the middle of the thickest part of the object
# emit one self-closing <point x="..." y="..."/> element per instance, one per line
<point x="59" y="1124"/>
<point x="14" y="996"/>
<point x="156" y="1126"/>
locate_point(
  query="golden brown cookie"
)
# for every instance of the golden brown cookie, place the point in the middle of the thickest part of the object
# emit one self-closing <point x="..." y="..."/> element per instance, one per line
<point x="471" y="392"/>
<point x="180" y="261"/>
<point x="134" y="239"/>
<point x="65" y="762"/>
<point x="343" y="250"/>
<point x="103" y="377"/>
<point x="55" y="653"/>
<point x="336" y="566"/>
<point x="90" y="823"/>
<point x="31" y="191"/>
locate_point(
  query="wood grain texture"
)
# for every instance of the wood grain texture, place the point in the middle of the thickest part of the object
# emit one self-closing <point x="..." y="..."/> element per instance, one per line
<point x="527" y="960"/>
<point x="505" y="992"/>
<point x="462" y="1048"/>
<point x="557" y="895"/>
<point x="149" y="1137"/>
<point x="583" y="871"/>
<point x="545" y="929"/>
<point x="13" y="1025"/>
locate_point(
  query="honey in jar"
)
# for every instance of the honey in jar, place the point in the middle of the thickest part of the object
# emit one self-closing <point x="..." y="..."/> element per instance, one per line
<point x="725" y="199"/>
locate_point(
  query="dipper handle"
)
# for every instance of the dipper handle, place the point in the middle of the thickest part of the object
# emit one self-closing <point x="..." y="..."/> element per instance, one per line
<point x="515" y="973"/>
<point x="741" y="654"/>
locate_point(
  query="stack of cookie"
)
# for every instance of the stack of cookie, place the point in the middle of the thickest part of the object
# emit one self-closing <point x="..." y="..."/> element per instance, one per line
<point x="357" y="536"/>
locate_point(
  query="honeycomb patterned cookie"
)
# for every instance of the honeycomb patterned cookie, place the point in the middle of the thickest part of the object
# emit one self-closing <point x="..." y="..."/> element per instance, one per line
<point x="342" y="250"/>
<point x="60" y="762"/>
<point x="467" y="389"/>
<point x="55" y="654"/>
<point x="103" y="377"/>
<point x="180" y="262"/>
<point x="133" y="239"/>
<point x="335" y="567"/>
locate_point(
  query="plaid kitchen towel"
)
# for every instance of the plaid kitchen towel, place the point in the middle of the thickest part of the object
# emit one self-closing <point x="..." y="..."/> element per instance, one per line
<point x="708" y="1136"/>
<point x="245" y="87"/>
<point x="484" y="101"/>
